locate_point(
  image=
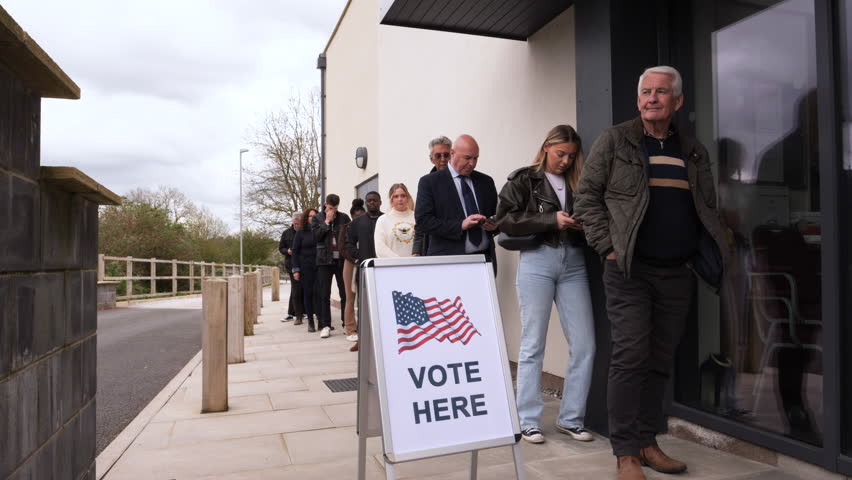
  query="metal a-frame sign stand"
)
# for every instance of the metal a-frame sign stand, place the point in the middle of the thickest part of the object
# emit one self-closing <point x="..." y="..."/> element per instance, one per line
<point x="373" y="390"/>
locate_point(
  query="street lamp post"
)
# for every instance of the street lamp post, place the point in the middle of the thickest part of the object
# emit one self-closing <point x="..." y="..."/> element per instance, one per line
<point x="242" y="151"/>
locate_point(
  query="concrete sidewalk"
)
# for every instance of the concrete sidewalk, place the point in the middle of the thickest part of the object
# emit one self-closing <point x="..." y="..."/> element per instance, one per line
<point x="284" y="422"/>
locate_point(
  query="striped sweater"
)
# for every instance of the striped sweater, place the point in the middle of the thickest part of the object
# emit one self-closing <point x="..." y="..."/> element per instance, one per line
<point x="668" y="235"/>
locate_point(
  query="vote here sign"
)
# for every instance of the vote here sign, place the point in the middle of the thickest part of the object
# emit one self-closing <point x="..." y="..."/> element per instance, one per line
<point x="444" y="374"/>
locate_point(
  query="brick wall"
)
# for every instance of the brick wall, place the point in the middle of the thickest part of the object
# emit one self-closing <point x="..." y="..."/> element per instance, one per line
<point x="48" y="317"/>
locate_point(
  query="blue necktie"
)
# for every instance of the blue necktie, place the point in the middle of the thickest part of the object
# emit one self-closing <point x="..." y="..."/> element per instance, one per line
<point x="474" y="234"/>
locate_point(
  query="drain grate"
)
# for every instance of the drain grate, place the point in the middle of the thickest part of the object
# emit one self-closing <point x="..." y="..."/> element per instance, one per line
<point x="342" y="384"/>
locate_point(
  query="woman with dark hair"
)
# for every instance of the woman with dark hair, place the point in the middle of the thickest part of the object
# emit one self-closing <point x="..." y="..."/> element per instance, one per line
<point x="350" y="328"/>
<point x="305" y="264"/>
<point x="538" y="200"/>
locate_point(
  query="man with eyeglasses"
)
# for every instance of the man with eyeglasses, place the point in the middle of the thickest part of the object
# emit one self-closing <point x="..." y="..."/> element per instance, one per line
<point x="455" y="206"/>
<point x="439" y="152"/>
<point x="439" y="155"/>
<point x="647" y="201"/>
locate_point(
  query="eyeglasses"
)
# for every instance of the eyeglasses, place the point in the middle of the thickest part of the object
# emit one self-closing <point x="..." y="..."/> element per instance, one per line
<point x="441" y="154"/>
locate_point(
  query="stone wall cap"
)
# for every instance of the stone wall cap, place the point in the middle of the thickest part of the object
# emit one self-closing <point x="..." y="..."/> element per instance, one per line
<point x="73" y="180"/>
<point x="22" y="55"/>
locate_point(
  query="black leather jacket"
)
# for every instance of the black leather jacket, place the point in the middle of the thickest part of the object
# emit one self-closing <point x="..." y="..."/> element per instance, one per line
<point x="528" y="204"/>
<point x="325" y="233"/>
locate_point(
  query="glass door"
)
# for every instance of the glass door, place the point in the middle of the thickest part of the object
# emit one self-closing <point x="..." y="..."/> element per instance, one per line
<point x="756" y="354"/>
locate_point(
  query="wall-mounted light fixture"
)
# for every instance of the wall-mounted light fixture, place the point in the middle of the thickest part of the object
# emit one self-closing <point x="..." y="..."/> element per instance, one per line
<point x="361" y="157"/>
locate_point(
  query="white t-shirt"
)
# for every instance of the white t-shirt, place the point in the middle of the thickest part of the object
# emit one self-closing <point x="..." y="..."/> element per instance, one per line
<point x="558" y="184"/>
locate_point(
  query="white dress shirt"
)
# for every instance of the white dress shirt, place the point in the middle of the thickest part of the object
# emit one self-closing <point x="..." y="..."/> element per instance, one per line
<point x="486" y="238"/>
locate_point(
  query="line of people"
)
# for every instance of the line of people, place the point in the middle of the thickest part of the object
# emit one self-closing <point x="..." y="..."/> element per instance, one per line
<point x="327" y="244"/>
<point x="644" y="201"/>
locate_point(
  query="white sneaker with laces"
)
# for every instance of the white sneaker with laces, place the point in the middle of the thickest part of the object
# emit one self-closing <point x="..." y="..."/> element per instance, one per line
<point x="532" y="435"/>
<point x="352" y="338"/>
<point x="577" y="433"/>
<point x="325" y="332"/>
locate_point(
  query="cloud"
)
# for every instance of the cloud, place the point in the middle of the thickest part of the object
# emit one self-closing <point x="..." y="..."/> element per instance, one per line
<point x="169" y="88"/>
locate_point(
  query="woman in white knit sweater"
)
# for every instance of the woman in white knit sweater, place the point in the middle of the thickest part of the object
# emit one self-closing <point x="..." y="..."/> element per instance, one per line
<point x="394" y="235"/>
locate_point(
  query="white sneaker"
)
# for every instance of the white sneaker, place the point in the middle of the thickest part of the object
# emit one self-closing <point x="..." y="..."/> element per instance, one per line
<point x="352" y="338"/>
<point x="325" y="332"/>
<point x="532" y="435"/>
<point x="577" y="433"/>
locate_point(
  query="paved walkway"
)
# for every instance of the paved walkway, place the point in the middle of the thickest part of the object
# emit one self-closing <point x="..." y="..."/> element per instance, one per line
<point x="284" y="422"/>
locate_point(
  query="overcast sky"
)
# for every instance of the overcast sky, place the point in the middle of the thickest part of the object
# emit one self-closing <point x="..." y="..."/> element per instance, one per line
<point x="169" y="88"/>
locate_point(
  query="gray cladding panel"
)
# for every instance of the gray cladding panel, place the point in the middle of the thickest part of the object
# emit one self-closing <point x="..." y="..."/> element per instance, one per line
<point x="513" y="19"/>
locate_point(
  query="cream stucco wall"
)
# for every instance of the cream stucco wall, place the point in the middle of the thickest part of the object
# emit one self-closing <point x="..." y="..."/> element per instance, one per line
<point x="505" y="93"/>
<point x="352" y="99"/>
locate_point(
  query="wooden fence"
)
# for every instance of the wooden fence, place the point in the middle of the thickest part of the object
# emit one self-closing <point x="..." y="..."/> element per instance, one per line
<point x="194" y="271"/>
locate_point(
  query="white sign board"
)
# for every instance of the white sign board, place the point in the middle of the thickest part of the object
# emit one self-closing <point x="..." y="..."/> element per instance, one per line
<point x="441" y="357"/>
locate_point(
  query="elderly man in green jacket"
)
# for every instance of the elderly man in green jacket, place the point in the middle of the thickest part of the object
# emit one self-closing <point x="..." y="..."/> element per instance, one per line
<point x="647" y="201"/>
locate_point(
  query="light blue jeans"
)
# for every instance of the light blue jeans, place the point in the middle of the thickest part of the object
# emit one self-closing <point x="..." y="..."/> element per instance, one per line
<point x="545" y="275"/>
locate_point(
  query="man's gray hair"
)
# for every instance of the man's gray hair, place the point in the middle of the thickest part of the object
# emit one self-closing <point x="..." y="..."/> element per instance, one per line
<point x="442" y="140"/>
<point x="295" y="217"/>
<point x="677" y="82"/>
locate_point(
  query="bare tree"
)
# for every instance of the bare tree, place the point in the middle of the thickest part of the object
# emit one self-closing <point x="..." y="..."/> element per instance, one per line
<point x="203" y="225"/>
<point x="179" y="207"/>
<point x="199" y="222"/>
<point x="287" y="181"/>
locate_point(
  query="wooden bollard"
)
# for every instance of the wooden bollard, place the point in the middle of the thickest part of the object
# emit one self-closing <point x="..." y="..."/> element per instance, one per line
<point x="214" y="346"/>
<point x="259" y="273"/>
<point x="276" y="284"/>
<point x="236" y="328"/>
<point x="249" y="302"/>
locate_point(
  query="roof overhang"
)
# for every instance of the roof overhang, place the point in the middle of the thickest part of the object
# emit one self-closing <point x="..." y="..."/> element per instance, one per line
<point x="511" y="19"/>
<point x="26" y="60"/>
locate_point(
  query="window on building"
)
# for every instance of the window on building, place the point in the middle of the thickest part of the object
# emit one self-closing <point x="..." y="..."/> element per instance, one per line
<point x="371" y="185"/>
<point x="756" y="354"/>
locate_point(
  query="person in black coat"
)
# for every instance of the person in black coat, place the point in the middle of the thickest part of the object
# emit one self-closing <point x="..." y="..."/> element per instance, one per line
<point x="439" y="155"/>
<point x="285" y="246"/>
<point x="326" y="227"/>
<point x="304" y="264"/>
<point x="456" y="206"/>
<point x="359" y="238"/>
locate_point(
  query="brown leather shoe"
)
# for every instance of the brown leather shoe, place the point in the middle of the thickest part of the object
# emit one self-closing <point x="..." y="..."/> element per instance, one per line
<point x="354" y="348"/>
<point x="629" y="468"/>
<point x="653" y="457"/>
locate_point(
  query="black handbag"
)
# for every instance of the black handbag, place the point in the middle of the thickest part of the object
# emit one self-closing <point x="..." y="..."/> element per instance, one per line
<point x="529" y="241"/>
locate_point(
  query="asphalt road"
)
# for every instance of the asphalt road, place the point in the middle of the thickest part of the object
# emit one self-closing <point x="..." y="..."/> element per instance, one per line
<point x="139" y="351"/>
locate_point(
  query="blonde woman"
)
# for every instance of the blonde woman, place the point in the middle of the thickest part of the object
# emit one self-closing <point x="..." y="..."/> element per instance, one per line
<point x="538" y="199"/>
<point x="394" y="235"/>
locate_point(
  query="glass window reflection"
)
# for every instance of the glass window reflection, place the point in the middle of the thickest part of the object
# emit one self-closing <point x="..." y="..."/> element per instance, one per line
<point x="756" y="355"/>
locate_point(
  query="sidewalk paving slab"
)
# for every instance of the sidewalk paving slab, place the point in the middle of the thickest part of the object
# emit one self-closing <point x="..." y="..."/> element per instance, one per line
<point x="284" y="422"/>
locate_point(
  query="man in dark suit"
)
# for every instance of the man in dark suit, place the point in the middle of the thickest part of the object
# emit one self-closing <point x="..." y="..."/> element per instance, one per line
<point x="456" y="205"/>
<point x="439" y="155"/>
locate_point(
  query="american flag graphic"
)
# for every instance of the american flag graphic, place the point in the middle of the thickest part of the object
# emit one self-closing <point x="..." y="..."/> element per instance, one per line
<point x="419" y="321"/>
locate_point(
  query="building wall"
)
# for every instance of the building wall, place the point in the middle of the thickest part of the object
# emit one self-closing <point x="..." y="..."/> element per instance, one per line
<point x="48" y="320"/>
<point x="505" y="93"/>
<point x="351" y="99"/>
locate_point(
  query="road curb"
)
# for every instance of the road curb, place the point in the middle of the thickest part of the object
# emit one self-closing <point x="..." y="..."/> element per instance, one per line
<point x="110" y="455"/>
